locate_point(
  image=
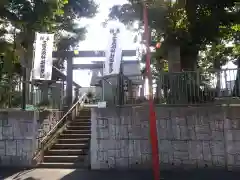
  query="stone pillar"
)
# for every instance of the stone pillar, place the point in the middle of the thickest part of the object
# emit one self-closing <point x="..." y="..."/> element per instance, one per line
<point x="158" y="94"/>
<point x="44" y="89"/>
<point x="142" y="91"/>
<point x="56" y="93"/>
<point x="130" y="91"/>
<point x="174" y="65"/>
<point x="62" y="95"/>
<point x="111" y="89"/>
<point x="174" y="59"/>
<point x="120" y="89"/>
<point x="76" y="94"/>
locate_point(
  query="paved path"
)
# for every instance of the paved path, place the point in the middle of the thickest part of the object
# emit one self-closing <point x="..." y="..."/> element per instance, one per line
<point x="71" y="174"/>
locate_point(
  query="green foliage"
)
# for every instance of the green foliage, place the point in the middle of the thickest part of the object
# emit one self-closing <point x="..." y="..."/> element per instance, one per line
<point x="191" y="25"/>
<point x="54" y="16"/>
<point x="10" y="95"/>
<point x="215" y="56"/>
<point x="21" y="19"/>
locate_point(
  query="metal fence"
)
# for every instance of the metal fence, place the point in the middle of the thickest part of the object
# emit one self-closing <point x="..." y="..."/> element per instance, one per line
<point x="196" y="87"/>
<point x="10" y="92"/>
<point x="120" y="89"/>
<point x="50" y="95"/>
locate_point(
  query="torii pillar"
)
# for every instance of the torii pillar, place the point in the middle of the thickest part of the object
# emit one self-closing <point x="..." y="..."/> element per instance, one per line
<point x="69" y="88"/>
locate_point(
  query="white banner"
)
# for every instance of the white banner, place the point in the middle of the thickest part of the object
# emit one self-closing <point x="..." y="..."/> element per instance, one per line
<point x="43" y="61"/>
<point x="113" y="53"/>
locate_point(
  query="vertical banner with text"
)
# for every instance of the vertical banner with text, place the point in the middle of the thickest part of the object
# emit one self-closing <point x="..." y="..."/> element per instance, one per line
<point x="43" y="60"/>
<point x="113" y="53"/>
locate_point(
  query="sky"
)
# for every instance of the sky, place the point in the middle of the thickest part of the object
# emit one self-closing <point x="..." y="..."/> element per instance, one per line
<point x="97" y="37"/>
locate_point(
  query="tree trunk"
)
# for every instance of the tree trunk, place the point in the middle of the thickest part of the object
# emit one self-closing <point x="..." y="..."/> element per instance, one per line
<point x="178" y="82"/>
<point x="25" y="52"/>
<point x="29" y="59"/>
<point x="189" y="81"/>
<point x="188" y="60"/>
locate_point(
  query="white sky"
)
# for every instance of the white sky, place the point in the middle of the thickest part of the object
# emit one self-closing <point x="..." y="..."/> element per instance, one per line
<point x="97" y="37"/>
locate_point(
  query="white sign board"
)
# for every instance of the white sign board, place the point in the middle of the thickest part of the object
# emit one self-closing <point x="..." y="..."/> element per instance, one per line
<point x="102" y="104"/>
<point x="113" y="53"/>
<point x="43" y="61"/>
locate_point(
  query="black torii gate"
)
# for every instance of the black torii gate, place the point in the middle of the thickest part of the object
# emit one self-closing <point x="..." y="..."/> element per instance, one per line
<point x="69" y="55"/>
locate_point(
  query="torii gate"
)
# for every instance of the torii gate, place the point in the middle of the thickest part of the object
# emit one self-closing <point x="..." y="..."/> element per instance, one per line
<point x="69" y="55"/>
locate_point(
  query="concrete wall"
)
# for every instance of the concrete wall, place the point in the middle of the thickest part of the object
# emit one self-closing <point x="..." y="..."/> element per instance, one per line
<point x="17" y="138"/>
<point x="191" y="137"/>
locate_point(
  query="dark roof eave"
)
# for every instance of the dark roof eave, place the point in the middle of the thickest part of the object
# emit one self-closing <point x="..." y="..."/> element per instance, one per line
<point x="64" y="77"/>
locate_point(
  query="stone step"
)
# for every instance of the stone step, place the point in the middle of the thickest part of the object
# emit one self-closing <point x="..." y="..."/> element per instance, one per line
<point x="73" y="141"/>
<point x="62" y="165"/>
<point x="65" y="159"/>
<point x="74" y="136"/>
<point x="80" y="123"/>
<point x="80" y="127"/>
<point x="85" y="111"/>
<point x="70" y="146"/>
<point x="83" y="118"/>
<point x="65" y="152"/>
<point x="69" y="131"/>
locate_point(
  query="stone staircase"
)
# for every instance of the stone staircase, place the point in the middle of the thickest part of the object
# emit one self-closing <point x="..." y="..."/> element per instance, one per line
<point x="71" y="148"/>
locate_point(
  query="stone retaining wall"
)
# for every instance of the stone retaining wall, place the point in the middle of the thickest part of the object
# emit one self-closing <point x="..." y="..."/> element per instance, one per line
<point x="191" y="137"/>
<point x="46" y="121"/>
<point x="17" y="129"/>
<point x="20" y="134"/>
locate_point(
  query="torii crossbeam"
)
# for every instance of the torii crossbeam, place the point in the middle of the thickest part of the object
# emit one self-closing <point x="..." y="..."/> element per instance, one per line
<point x="69" y="55"/>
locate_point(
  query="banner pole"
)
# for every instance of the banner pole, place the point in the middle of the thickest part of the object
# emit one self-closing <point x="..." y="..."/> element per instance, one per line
<point x="24" y="87"/>
<point x="102" y="80"/>
<point x="32" y="79"/>
<point x="152" y="114"/>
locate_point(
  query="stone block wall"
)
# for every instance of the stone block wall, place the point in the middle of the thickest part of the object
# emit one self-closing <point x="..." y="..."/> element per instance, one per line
<point x="20" y="134"/>
<point x="17" y="138"/>
<point x="191" y="137"/>
<point x="46" y="121"/>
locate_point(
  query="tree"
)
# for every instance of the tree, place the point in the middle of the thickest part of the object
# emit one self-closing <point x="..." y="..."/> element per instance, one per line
<point x="181" y="23"/>
<point x="10" y="68"/>
<point x="54" y="16"/>
<point x="236" y="54"/>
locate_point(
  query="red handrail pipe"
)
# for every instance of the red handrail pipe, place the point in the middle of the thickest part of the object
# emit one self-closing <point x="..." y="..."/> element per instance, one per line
<point x="152" y="114"/>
